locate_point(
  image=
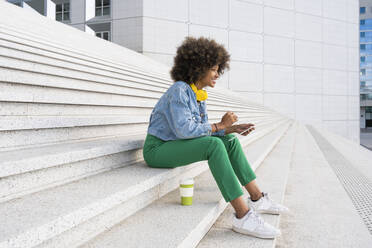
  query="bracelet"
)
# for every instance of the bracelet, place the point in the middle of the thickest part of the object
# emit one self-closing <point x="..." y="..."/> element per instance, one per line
<point x="215" y="125"/>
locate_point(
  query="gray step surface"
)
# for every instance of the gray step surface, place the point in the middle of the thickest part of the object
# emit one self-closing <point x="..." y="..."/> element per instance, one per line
<point x="150" y="227"/>
<point x="272" y="178"/>
<point x="322" y="214"/>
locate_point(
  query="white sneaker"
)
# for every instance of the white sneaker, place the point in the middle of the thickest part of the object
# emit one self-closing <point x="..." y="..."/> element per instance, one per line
<point x="267" y="206"/>
<point x="252" y="224"/>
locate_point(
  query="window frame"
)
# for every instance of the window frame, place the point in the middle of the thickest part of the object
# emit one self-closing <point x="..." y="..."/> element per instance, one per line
<point x="101" y="33"/>
<point x="63" y="12"/>
<point x="102" y="7"/>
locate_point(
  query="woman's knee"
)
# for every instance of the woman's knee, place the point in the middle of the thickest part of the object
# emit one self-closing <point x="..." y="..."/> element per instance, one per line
<point x="216" y="143"/>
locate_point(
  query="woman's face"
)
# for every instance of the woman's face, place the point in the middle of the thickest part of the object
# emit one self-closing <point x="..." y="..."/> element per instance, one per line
<point x="209" y="79"/>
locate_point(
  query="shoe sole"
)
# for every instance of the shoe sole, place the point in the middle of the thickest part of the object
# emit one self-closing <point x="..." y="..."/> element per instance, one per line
<point x="270" y="212"/>
<point x="246" y="232"/>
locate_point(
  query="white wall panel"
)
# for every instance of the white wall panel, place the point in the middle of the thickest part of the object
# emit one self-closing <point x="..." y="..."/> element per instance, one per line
<point x="308" y="27"/>
<point x="219" y="34"/>
<point x="353" y="131"/>
<point x="352" y="11"/>
<point x="128" y="33"/>
<point x="335" y="9"/>
<point x="278" y="50"/>
<point x="352" y="35"/>
<point x="207" y="12"/>
<point x="162" y="36"/>
<point x="335" y="82"/>
<point x="246" y="76"/>
<point x="353" y="107"/>
<point x="313" y="7"/>
<point x="353" y="59"/>
<point x="279" y="22"/>
<point x="285" y="4"/>
<point x="246" y="46"/>
<point x="308" y="80"/>
<point x="223" y="81"/>
<point x="284" y="103"/>
<point x="308" y="53"/>
<point x="335" y="57"/>
<point x="246" y="16"/>
<point x="167" y="9"/>
<point x="353" y="83"/>
<point x="335" y="107"/>
<point x="309" y="108"/>
<point x="77" y="16"/>
<point x="334" y="32"/>
<point x="278" y="78"/>
<point x="127" y="8"/>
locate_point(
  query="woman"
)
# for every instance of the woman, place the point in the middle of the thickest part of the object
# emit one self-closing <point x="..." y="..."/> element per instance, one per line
<point x="179" y="134"/>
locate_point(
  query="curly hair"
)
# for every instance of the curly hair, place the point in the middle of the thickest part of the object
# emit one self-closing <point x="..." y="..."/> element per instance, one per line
<point x="196" y="56"/>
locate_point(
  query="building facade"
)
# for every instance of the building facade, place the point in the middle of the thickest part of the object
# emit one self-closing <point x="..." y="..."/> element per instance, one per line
<point x="299" y="57"/>
<point x="365" y="63"/>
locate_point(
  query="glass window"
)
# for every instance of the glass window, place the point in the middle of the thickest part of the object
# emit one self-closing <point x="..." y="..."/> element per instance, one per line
<point x="102" y="7"/>
<point x="362" y="10"/>
<point x="362" y="72"/>
<point x="104" y="35"/>
<point x="362" y="22"/>
<point x="362" y="34"/>
<point x="362" y="46"/>
<point x="362" y="59"/>
<point x="63" y="12"/>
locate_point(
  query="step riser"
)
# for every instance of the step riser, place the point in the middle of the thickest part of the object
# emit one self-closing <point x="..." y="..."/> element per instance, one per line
<point x="26" y="183"/>
<point x="35" y="109"/>
<point x="25" y="138"/>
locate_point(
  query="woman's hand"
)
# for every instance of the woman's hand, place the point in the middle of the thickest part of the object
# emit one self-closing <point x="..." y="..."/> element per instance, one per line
<point x="227" y="120"/>
<point x="240" y="128"/>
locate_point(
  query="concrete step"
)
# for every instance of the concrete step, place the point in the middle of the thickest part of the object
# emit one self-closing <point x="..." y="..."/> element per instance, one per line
<point x="272" y="178"/>
<point x="115" y="194"/>
<point x="152" y="226"/>
<point x="73" y="207"/>
<point x="29" y="170"/>
<point x="322" y="214"/>
<point x="47" y="166"/>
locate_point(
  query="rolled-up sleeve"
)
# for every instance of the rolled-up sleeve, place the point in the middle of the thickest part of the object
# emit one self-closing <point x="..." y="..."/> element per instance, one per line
<point x="181" y="120"/>
<point x="219" y="133"/>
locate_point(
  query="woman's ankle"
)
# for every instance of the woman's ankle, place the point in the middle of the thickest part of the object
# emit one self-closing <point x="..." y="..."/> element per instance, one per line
<point x="241" y="215"/>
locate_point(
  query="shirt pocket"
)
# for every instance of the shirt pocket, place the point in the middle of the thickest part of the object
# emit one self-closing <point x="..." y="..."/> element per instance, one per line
<point x="196" y="117"/>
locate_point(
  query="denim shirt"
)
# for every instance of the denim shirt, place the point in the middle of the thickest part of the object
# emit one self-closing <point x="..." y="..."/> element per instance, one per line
<point x="178" y="115"/>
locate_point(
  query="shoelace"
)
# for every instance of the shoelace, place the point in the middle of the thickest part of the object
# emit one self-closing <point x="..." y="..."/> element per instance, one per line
<point x="258" y="219"/>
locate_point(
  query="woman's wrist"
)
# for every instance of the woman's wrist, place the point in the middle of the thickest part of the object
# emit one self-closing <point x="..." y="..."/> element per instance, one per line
<point x="220" y="126"/>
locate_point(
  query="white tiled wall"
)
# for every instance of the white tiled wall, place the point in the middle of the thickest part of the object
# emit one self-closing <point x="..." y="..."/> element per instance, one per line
<point x="279" y="22"/>
<point x="299" y="57"/>
<point x="308" y="27"/>
<point x="245" y="16"/>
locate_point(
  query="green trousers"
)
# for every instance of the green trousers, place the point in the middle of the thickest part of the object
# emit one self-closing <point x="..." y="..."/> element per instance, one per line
<point x="226" y="159"/>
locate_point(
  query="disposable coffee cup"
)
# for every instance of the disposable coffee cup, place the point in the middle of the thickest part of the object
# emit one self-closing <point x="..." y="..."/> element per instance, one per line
<point x="186" y="191"/>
